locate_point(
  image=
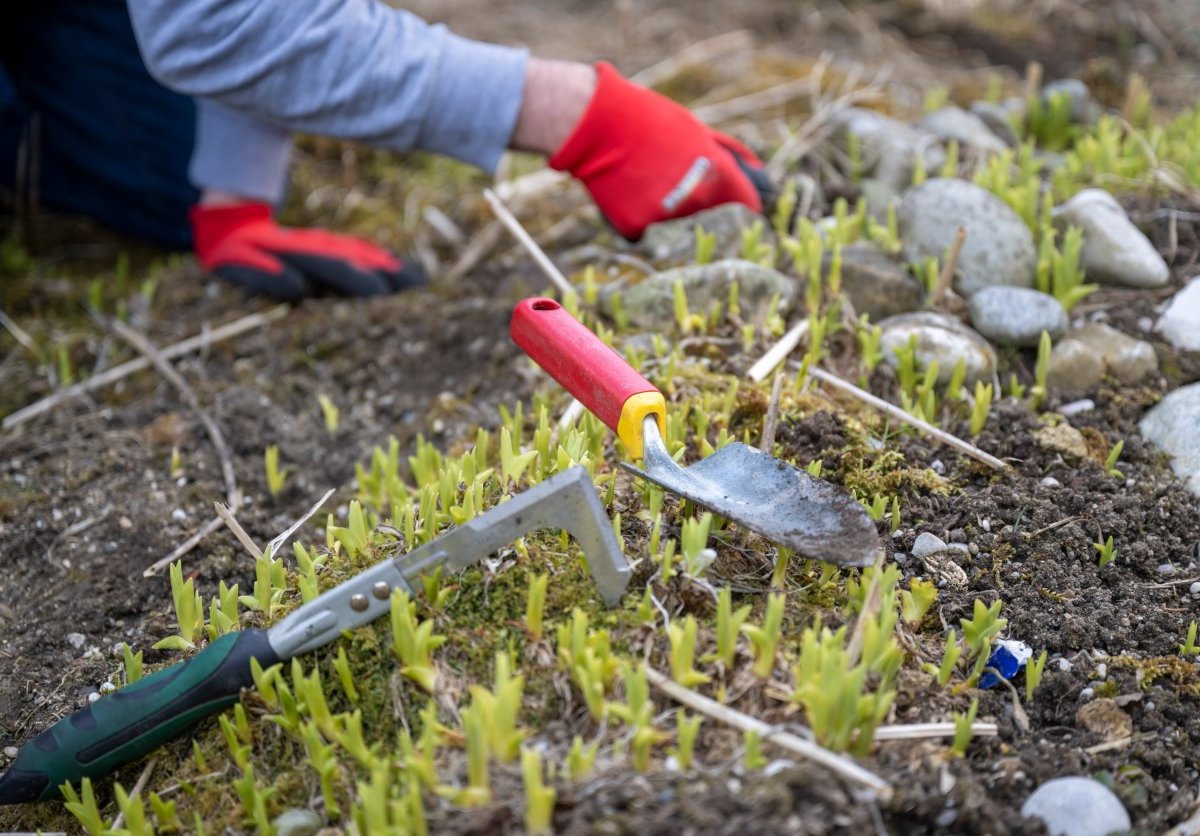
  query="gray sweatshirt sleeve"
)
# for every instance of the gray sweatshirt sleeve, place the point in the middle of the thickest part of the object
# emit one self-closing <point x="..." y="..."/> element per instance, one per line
<point x="354" y="69"/>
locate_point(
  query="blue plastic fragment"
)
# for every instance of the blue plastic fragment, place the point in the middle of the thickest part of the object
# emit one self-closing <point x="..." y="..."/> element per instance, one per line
<point x="1008" y="658"/>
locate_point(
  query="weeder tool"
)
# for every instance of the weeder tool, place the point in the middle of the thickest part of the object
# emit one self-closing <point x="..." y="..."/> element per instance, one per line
<point x="137" y="719"/>
<point x="786" y="504"/>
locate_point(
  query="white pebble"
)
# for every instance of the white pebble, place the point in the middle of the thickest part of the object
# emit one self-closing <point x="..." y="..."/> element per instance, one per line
<point x="937" y="467"/>
<point x="1076" y="407"/>
<point x="1148" y="705"/>
<point x="985" y="524"/>
<point x="76" y="640"/>
<point x="11" y="751"/>
<point x="1087" y="693"/>
<point x="107" y="687"/>
<point x="1166" y="569"/>
<point x="92" y="697"/>
<point x="1064" y="665"/>
<point x="1051" y="482"/>
<point x="1102" y="671"/>
<point x="179" y="515"/>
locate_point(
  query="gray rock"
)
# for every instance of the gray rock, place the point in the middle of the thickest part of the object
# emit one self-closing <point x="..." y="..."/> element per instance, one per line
<point x="1126" y="359"/>
<point x="889" y="147"/>
<point x="297" y="822"/>
<point x="927" y="544"/>
<point x="965" y="127"/>
<point x="999" y="120"/>
<point x="1017" y="315"/>
<point x="650" y="303"/>
<point x="1076" y="806"/>
<point x="999" y="249"/>
<point x="1074" y="367"/>
<point x="1173" y="425"/>
<point x="1084" y="109"/>
<point x="1114" y="250"/>
<point x="876" y="284"/>
<point x="941" y="338"/>
<point x="675" y="240"/>
<point x="1180" y="322"/>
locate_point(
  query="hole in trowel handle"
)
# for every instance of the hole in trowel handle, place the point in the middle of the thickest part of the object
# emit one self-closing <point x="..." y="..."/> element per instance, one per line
<point x="546" y="305"/>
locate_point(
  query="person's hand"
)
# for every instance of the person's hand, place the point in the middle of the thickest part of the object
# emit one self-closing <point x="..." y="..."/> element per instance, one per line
<point x="241" y="244"/>
<point x="645" y="158"/>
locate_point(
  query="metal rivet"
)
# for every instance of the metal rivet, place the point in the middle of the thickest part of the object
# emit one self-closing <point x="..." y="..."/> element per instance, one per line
<point x="380" y="589"/>
<point x="358" y="602"/>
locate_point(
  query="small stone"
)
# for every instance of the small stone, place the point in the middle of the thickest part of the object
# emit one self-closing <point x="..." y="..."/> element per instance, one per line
<point x="1102" y="671"/>
<point x="1017" y="315"/>
<point x="76" y="640"/>
<point x="1077" y="407"/>
<point x="1114" y="250"/>
<point x="676" y="239"/>
<point x="11" y="751"/>
<point x="651" y="302"/>
<point x="1074" y="367"/>
<point x="297" y="822"/>
<point x="1050" y="482"/>
<point x="938" y="467"/>
<point x="179" y="515"/>
<point x="107" y="687"/>
<point x="1166" y="569"/>
<point x="1105" y="718"/>
<point x="1077" y="806"/>
<point x="1087" y="693"/>
<point x="1062" y="438"/>
<point x="92" y="697"/>
<point x="941" y="339"/>
<point x="998" y="120"/>
<point x="1084" y="109"/>
<point x="999" y="248"/>
<point x="1173" y="425"/>
<point x="1127" y="359"/>
<point x="888" y="148"/>
<point x="1180" y="322"/>
<point x="1195" y="588"/>
<point x="125" y="523"/>
<point x="927" y="544"/>
<point x="964" y="127"/>
<point x="876" y="284"/>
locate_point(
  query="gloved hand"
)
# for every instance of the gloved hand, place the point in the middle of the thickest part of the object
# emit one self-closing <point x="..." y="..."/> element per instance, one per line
<point x="243" y="245"/>
<point x="645" y="158"/>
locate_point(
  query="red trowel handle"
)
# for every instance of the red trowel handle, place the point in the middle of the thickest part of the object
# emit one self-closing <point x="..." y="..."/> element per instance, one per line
<point x="588" y="369"/>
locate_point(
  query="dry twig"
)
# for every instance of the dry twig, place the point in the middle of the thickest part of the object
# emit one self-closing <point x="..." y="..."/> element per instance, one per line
<point x="771" y="421"/>
<point x="200" y="341"/>
<point x="694" y="55"/>
<point x="839" y="764"/>
<point x="539" y="255"/>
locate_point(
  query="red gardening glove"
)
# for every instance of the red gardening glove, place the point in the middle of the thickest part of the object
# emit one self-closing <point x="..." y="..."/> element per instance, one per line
<point x="645" y="158"/>
<point x="243" y="245"/>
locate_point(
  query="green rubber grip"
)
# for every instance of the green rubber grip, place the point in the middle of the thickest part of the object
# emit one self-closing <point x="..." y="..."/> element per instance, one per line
<point x="129" y="724"/>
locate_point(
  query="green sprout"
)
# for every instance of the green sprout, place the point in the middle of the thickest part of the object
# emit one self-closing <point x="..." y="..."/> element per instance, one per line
<point x="686" y="729"/>
<point x="1033" y="674"/>
<point x="270" y="582"/>
<point x="539" y="798"/>
<point x="1110" y="463"/>
<point x="330" y="412"/>
<point x="502" y="709"/>
<point x="978" y="633"/>
<point x="189" y="612"/>
<point x="223" y="612"/>
<point x="693" y="538"/>
<point x="275" y="476"/>
<point x="134" y="811"/>
<point x="175" y="469"/>
<point x="581" y="759"/>
<point x="84" y="808"/>
<point x="589" y="659"/>
<point x="1059" y="271"/>
<point x="1189" y="646"/>
<point x="964" y="729"/>
<point x="767" y="637"/>
<point x="535" y="606"/>
<point x="1037" y="395"/>
<point x="980" y="407"/>
<point x="1107" y="552"/>
<point x="729" y="623"/>
<point x="916" y="601"/>
<point x="752" y="757"/>
<point x="413" y="642"/>
<point x="706" y="245"/>
<point x="950" y="656"/>
<point x="131" y="664"/>
<point x="683" y="650"/>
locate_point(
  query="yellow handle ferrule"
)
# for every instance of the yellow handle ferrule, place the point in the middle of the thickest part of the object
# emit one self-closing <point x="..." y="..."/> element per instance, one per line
<point x="634" y="412"/>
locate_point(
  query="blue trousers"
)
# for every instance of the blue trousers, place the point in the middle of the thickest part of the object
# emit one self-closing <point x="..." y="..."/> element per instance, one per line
<point x="94" y="133"/>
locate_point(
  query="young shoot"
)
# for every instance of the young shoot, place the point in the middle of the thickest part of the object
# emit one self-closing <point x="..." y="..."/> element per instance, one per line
<point x="581" y="759"/>
<point x="1033" y="674"/>
<point x="539" y="798"/>
<point x="686" y="729"/>
<point x="1110" y="463"/>
<point x="189" y="612"/>
<point x="964" y="729"/>
<point x="697" y="556"/>
<point x="706" y="244"/>
<point x="276" y="476"/>
<point x="535" y="606"/>
<point x="916" y="601"/>
<point x="413" y="643"/>
<point x="1189" y="646"/>
<point x="330" y="413"/>
<point x="980" y="408"/>
<point x="1108" y="552"/>
<point x="729" y="624"/>
<point x="683" y="652"/>
<point x="767" y="637"/>
<point x="1041" y="369"/>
